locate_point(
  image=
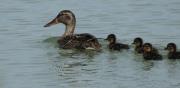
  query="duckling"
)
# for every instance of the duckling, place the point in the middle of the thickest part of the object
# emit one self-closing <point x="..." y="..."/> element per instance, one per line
<point x="138" y="42"/>
<point x="150" y="53"/>
<point x="173" y="53"/>
<point x="114" y="45"/>
<point x="70" y="40"/>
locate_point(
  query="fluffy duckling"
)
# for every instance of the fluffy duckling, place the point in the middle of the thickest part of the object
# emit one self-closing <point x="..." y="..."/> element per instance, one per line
<point x="138" y="42"/>
<point x="150" y="53"/>
<point x="172" y="54"/>
<point x="114" y="45"/>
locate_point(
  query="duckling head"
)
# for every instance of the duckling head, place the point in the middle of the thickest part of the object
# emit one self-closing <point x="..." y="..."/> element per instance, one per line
<point x="111" y="38"/>
<point x="171" y="47"/>
<point x="138" y="42"/>
<point x="147" y="47"/>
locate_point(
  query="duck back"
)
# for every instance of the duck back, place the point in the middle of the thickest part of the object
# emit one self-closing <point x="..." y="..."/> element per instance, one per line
<point x="174" y="55"/>
<point x="152" y="56"/>
<point x="79" y="41"/>
<point x="118" y="46"/>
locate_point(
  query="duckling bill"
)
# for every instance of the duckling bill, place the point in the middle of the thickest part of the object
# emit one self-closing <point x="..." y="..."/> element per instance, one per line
<point x="150" y="53"/>
<point x="70" y="40"/>
<point x="172" y="51"/>
<point x="113" y="45"/>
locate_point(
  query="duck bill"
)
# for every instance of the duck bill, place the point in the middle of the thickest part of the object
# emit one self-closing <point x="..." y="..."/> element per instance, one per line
<point x="53" y="22"/>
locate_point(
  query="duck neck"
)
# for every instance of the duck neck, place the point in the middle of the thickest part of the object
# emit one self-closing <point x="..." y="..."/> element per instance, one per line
<point x="69" y="30"/>
<point x="139" y="46"/>
<point x="70" y="27"/>
<point x="113" y="41"/>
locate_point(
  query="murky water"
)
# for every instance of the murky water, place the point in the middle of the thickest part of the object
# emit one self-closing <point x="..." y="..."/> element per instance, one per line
<point x="29" y="57"/>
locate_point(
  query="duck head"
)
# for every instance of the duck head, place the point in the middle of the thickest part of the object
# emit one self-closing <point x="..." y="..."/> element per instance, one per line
<point x="171" y="47"/>
<point x="147" y="47"/>
<point x="67" y="18"/>
<point x="111" y="38"/>
<point x="138" y="42"/>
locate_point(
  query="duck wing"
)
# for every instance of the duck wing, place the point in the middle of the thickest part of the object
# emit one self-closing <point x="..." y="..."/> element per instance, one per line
<point x="177" y="55"/>
<point x="79" y="41"/>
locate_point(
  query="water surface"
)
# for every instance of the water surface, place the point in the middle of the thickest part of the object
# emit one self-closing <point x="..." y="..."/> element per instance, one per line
<point x="29" y="57"/>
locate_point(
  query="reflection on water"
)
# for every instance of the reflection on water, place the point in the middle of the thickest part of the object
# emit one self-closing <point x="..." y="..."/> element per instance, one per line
<point x="148" y="65"/>
<point x="30" y="57"/>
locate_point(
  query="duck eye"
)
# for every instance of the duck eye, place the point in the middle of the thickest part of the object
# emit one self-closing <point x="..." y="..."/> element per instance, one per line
<point x="67" y="17"/>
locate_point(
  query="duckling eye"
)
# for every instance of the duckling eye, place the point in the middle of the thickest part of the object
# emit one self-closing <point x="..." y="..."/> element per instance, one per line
<point x="170" y="47"/>
<point x="111" y="38"/>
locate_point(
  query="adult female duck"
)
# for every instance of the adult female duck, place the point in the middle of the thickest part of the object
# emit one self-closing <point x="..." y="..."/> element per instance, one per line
<point x="69" y="39"/>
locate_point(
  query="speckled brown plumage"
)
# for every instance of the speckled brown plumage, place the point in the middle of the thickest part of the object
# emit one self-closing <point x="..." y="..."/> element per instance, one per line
<point x="69" y="39"/>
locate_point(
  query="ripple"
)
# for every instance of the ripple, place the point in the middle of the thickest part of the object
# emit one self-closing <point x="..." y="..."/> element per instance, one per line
<point x="11" y="10"/>
<point x="29" y="55"/>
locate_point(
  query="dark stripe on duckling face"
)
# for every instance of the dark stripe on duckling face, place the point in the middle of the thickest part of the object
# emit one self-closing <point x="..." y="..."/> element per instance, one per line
<point x="138" y="41"/>
<point x="171" y="47"/>
<point x="150" y="53"/>
<point x="147" y="47"/>
<point x="111" y="38"/>
<point x="173" y="54"/>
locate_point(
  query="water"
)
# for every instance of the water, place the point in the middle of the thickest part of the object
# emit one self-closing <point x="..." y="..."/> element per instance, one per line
<point x="29" y="57"/>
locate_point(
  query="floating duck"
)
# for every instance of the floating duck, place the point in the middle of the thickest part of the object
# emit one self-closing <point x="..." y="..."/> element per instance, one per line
<point x="70" y="40"/>
<point x="173" y="53"/>
<point x="114" y="45"/>
<point x="150" y="53"/>
<point x="138" y="42"/>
